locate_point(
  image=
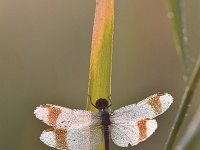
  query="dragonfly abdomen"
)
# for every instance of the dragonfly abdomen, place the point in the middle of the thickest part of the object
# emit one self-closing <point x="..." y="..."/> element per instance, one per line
<point x="106" y="122"/>
<point x="106" y="137"/>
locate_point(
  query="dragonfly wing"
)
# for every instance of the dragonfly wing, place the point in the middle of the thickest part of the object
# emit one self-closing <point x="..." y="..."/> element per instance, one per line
<point x="58" y="116"/>
<point x="132" y="132"/>
<point x="85" y="138"/>
<point x="147" y="108"/>
<point x="134" y="123"/>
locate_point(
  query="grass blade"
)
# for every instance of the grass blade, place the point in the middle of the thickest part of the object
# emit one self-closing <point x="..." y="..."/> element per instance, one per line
<point x="177" y="17"/>
<point x="191" y="132"/>
<point x="99" y="85"/>
<point x="185" y="102"/>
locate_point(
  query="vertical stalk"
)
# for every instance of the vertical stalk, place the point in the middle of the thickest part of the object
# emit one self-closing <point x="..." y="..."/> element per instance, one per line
<point x="177" y="17"/>
<point x="185" y="102"/>
<point x="99" y="85"/>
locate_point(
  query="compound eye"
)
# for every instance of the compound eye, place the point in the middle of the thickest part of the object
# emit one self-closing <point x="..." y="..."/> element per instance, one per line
<point x="105" y="103"/>
<point x="97" y="104"/>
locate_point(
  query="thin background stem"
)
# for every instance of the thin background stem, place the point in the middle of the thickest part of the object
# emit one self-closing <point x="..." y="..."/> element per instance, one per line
<point x="177" y="17"/>
<point x="191" y="132"/>
<point x="183" y="109"/>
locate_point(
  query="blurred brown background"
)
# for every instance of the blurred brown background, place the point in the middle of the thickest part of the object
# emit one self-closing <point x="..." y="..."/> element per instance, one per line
<point x="44" y="58"/>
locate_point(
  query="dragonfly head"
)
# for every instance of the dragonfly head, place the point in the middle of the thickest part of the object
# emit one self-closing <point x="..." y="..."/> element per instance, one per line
<point x="102" y="103"/>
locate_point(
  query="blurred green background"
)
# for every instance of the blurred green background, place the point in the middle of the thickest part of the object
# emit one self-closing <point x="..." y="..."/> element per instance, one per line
<point x="44" y="58"/>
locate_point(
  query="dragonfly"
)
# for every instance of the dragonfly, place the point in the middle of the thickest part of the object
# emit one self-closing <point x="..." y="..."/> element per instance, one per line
<point x="73" y="129"/>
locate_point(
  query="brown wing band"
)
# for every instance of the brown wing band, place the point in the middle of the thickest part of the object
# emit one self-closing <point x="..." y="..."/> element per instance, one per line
<point x="155" y="103"/>
<point x="142" y="125"/>
<point x="61" y="136"/>
<point x="53" y="114"/>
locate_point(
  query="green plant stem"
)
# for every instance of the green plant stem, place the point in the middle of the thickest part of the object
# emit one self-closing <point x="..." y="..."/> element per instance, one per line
<point x="177" y="17"/>
<point x="191" y="132"/>
<point x="99" y="85"/>
<point x="183" y="109"/>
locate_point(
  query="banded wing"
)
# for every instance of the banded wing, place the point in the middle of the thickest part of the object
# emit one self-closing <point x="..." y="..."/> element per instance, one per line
<point x="148" y="108"/>
<point x="132" y="132"/>
<point x="72" y="129"/>
<point x="58" y="116"/>
<point x="85" y="138"/>
<point x="134" y="123"/>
